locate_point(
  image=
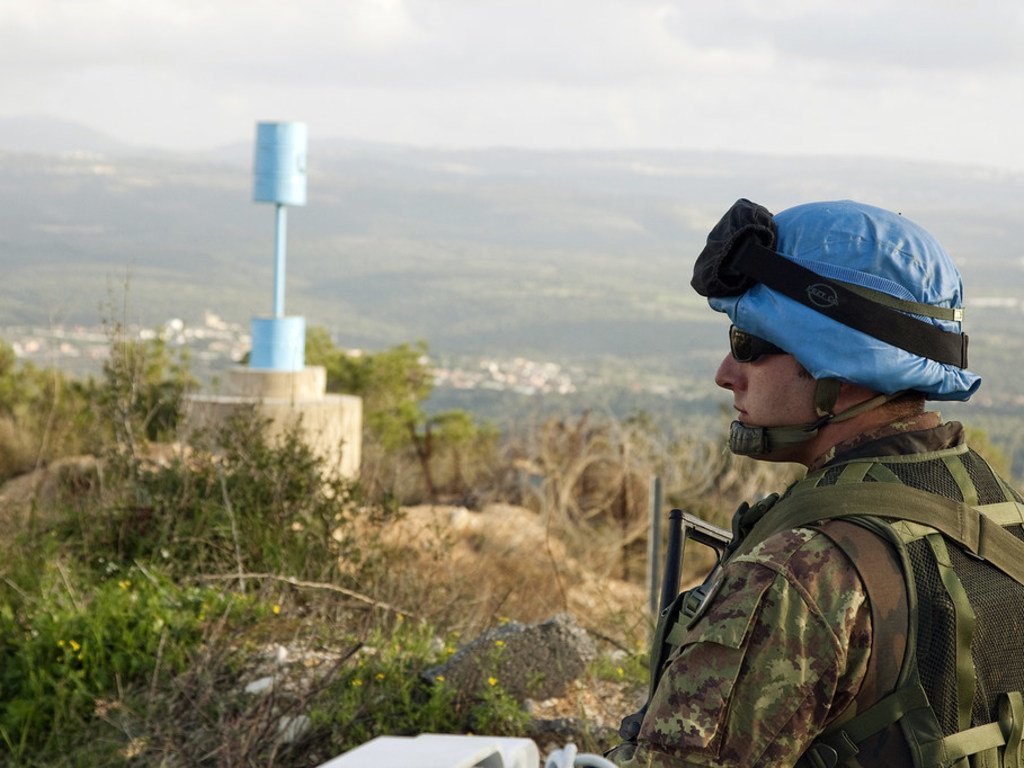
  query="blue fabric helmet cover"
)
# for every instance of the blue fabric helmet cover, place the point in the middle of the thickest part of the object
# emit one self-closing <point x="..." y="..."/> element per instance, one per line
<point x="848" y="243"/>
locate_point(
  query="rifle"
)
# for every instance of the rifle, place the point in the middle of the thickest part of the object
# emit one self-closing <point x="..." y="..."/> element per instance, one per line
<point x="682" y="526"/>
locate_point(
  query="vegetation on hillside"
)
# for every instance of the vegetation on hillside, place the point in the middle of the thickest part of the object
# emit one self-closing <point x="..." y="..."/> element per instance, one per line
<point x="44" y="414"/>
<point x="134" y="597"/>
<point x="153" y="597"/>
<point x="452" y="450"/>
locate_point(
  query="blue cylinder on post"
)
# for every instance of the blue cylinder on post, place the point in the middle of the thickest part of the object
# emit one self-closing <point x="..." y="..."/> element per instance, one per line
<point x="278" y="343"/>
<point x="280" y="163"/>
<point x="279" y="177"/>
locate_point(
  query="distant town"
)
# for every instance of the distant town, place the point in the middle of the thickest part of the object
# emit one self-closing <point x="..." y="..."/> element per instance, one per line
<point x="215" y="344"/>
<point x="81" y="349"/>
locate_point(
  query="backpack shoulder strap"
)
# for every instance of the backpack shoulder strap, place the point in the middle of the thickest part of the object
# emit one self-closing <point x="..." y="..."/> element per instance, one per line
<point x="880" y="570"/>
<point x="978" y="529"/>
<point x="886" y="694"/>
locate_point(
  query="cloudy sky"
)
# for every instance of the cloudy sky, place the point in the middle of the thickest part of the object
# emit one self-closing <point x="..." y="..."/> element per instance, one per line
<point x="936" y="79"/>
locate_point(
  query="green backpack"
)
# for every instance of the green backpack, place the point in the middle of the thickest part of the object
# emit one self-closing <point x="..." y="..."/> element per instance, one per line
<point x="956" y="696"/>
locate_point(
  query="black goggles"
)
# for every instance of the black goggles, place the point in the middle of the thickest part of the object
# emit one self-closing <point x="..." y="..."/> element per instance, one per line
<point x="746" y="347"/>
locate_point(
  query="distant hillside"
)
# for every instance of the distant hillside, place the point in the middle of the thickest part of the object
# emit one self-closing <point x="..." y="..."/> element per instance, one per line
<point x="563" y="255"/>
<point x="47" y="135"/>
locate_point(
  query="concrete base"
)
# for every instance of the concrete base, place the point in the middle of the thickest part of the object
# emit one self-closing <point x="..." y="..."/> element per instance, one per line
<point x="331" y="424"/>
<point x="294" y="386"/>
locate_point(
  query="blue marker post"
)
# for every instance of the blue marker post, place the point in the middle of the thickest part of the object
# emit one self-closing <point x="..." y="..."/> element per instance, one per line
<point x="280" y="239"/>
<point x="278" y="342"/>
<point x="277" y="383"/>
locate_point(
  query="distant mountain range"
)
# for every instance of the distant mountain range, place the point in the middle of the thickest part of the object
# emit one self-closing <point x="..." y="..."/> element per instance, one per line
<point x="48" y="135"/>
<point x="566" y="255"/>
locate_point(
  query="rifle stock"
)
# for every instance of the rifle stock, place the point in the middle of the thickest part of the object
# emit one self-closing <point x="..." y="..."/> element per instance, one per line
<point x="681" y="526"/>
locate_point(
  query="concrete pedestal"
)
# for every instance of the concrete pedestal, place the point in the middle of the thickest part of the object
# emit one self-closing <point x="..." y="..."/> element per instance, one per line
<point x="331" y="424"/>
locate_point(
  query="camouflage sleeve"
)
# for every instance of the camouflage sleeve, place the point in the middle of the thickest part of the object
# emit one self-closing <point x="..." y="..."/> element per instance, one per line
<point x="779" y="653"/>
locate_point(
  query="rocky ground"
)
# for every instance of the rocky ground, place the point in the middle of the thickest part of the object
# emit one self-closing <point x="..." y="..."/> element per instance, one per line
<point x="500" y="567"/>
<point x="516" y="567"/>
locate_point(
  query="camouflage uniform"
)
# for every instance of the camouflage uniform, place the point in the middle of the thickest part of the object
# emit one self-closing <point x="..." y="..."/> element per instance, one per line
<point x="784" y="647"/>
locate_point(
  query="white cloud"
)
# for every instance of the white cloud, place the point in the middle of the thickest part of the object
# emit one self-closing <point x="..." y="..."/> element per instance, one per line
<point x="928" y="79"/>
<point x="916" y="34"/>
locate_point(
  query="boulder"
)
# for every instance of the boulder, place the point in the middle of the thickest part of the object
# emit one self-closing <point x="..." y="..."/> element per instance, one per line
<point x="536" y="661"/>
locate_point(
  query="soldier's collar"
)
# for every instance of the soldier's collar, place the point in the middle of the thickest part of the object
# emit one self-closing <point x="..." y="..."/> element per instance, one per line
<point x="913" y="434"/>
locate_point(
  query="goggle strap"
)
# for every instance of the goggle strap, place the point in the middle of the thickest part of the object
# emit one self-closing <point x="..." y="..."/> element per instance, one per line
<point x="952" y="314"/>
<point x="835" y="300"/>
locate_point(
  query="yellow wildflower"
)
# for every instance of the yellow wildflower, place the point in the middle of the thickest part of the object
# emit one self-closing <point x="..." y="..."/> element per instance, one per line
<point x="492" y="680"/>
<point x="440" y="678"/>
<point x="276" y="609"/>
<point x="499" y="643"/>
<point x="134" y="748"/>
<point x="74" y="646"/>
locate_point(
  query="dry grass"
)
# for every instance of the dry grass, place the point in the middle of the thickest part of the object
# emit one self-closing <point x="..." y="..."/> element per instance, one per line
<point x="18" y="452"/>
<point x="471" y="570"/>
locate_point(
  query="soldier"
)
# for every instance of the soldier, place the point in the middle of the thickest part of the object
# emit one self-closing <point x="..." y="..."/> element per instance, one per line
<point x="873" y="614"/>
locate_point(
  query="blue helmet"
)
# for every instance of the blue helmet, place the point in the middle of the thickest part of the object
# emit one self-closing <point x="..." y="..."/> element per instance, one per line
<point x="853" y="292"/>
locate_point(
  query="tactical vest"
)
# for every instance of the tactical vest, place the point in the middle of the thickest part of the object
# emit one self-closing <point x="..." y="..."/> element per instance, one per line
<point x="957" y="532"/>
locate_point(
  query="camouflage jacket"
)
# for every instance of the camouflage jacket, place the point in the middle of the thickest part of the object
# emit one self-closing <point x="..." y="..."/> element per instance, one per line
<point x="782" y="650"/>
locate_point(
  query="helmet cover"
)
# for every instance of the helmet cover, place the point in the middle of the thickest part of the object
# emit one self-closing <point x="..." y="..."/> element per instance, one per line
<point x="862" y="245"/>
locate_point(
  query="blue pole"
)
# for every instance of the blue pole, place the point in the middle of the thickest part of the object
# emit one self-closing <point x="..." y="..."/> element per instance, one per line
<point x="279" y="252"/>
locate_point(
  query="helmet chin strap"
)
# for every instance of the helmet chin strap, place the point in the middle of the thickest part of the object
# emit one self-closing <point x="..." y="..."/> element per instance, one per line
<point x="761" y="441"/>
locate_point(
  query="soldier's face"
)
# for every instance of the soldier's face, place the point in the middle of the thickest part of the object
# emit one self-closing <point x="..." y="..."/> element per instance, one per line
<point x="772" y="391"/>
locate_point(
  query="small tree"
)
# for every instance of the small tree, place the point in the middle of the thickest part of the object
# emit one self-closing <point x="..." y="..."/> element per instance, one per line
<point x="142" y="390"/>
<point x="395" y="385"/>
<point x="43" y="415"/>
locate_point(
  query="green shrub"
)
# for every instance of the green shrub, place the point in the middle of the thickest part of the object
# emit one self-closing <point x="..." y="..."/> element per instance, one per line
<point x="629" y="668"/>
<point x="43" y="416"/>
<point x="384" y="692"/>
<point x="66" y="644"/>
<point x="257" y="505"/>
<point x="141" y="392"/>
